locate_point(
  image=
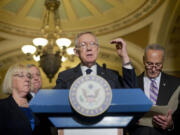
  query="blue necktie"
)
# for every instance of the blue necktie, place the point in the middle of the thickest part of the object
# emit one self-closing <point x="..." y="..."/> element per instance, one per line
<point x="88" y="71"/>
<point x="153" y="91"/>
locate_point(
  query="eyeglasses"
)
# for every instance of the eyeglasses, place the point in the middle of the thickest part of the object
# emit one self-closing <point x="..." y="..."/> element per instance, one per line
<point x="23" y="76"/>
<point x="35" y="75"/>
<point x="84" y="45"/>
<point x="150" y="65"/>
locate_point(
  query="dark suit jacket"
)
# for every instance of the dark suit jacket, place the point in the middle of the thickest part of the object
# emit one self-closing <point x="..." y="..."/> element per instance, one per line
<point x="176" y="119"/>
<point x="66" y="78"/>
<point x="168" y="85"/>
<point x="13" y="120"/>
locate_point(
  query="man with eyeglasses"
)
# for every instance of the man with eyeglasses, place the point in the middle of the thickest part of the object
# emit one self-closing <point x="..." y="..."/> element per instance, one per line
<point x="87" y="49"/>
<point x="158" y="87"/>
<point x="36" y="84"/>
<point x="36" y="81"/>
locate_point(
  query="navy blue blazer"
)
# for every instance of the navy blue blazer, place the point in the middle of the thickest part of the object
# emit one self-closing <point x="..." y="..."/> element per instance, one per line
<point x="67" y="77"/>
<point x="13" y="120"/>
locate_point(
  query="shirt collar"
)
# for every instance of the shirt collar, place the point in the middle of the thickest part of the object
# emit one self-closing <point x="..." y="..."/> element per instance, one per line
<point x="156" y="79"/>
<point x="93" y="68"/>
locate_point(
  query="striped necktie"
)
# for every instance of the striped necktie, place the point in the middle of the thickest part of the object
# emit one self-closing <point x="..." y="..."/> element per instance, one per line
<point x="88" y="71"/>
<point x="153" y="91"/>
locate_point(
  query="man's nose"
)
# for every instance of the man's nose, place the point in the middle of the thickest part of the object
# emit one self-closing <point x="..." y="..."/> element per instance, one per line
<point x="89" y="47"/>
<point x="27" y="79"/>
<point x="154" y="68"/>
<point x="35" y="77"/>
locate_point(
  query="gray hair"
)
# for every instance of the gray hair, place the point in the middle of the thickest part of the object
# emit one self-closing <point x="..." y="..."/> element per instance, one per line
<point x="83" y="33"/>
<point x="32" y="65"/>
<point x="154" y="47"/>
<point x="7" y="83"/>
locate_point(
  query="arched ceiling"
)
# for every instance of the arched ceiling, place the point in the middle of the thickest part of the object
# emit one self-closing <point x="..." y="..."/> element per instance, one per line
<point x="139" y="22"/>
<point x="24" y="17"/>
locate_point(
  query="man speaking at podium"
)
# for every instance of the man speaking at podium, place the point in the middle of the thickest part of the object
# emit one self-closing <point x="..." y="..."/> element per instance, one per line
<point x="87" y="49"/>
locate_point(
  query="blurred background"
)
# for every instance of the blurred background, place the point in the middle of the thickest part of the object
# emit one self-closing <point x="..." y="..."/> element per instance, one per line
<point x="139" y="22"/>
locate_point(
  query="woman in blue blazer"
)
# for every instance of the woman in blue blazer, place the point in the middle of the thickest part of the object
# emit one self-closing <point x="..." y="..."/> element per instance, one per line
<point x="16" y="118"/>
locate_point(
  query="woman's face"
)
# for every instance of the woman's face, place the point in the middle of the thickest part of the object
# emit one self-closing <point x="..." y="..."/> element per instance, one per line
<point x="21" y="83"/>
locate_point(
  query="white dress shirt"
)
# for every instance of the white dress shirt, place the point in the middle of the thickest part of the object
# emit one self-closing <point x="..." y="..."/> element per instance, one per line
<point x="93" y="68"/>
<point x="147" y="83"/>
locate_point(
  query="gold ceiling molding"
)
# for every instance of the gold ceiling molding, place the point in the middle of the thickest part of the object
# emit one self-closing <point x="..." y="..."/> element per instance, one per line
<point x="148" y="7"/>
<point x="21" y="31"/>
<point x="174" y="35"/>
<point x="105" y="25"/>
<point x="1" y="39"/>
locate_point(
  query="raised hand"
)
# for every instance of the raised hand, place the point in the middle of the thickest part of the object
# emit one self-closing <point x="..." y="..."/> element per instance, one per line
<point x="121" y="49"/>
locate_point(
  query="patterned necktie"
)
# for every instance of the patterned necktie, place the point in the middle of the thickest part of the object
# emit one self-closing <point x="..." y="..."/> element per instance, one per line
<point x="153" y="91"/>
<point x="88" y="71"/>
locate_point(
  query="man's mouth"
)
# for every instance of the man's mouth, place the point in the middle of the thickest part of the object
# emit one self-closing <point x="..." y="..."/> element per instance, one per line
<point x="36" y="83"/>
<point x="27" y="85"/>
<point x="89" y="54"/>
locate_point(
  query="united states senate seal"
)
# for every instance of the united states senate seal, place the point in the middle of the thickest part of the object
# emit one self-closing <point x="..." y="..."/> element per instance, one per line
<point x="90" y="95"/>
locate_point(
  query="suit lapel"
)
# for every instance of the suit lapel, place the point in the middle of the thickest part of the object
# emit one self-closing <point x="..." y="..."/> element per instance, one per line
<point x="74" y="75"/>
<point x="141" y="81"/>
<point x="77" y="71"/>
<point x="162" y="87"/>
<point x="18" y="112"/>
<point x="101" y="71"/>
<point x="163" y="82"/>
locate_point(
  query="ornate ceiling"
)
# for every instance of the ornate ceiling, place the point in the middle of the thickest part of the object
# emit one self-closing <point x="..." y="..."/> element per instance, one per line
<point x="24" y="17"/>
<point x="139" y="22"/>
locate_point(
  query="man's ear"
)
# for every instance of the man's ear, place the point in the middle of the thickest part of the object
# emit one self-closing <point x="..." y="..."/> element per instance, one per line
<point x="76" y="51"/>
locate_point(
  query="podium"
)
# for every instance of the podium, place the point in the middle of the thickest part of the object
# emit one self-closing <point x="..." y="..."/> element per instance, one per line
<point x="127" y="106"/>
